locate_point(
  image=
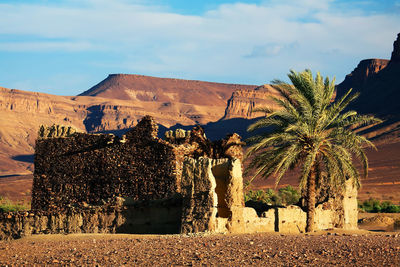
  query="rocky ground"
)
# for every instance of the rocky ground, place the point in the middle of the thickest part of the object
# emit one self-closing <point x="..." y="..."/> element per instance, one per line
<point x="327" y="249"/>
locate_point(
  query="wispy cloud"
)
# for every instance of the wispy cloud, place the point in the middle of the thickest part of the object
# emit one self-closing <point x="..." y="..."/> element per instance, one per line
<point x="271" y="49"/>
<point x="237" y="42"/>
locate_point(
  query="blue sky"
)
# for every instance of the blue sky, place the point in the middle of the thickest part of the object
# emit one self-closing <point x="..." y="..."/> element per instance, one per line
<point x="65" y="47"/>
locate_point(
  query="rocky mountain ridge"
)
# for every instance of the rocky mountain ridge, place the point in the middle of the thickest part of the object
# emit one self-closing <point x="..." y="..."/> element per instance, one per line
<point x="377" y="81"/>
<point x="379" y="94"/>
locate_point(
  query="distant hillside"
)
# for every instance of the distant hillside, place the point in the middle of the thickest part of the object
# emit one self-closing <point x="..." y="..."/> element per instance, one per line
<point x="165" y="90"/>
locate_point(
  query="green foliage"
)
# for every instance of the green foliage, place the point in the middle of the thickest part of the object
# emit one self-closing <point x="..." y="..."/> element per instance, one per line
<point x="310" y="131"/>
<point x="260" y="196"/>
<point x="374" y="205"/>
<point x="289" y="195"/>
<point x="7" y="205"/>
<point x="283" y="197"/>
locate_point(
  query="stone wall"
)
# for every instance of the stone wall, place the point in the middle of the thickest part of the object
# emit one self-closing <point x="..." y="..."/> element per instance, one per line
<point x="157" y="217"/>
<point x="212" y="192"/>
<point x="90" y="169"/>
<point x="341" y="212"/>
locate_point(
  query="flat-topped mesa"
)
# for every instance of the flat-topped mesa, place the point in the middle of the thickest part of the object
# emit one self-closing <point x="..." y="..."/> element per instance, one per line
<point x="164" y="90"/>
<point x="396" y="50"/>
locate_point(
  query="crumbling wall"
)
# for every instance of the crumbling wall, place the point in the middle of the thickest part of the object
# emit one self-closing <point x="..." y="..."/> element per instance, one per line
<point x="76" y="171"/>
<point x="55" y="130"/>
<point x="90" y="169"/>
<point x="259" y="224"/>
<point x="158" y="217"/>
<point x="212" y="192"/>
<point x="199" y="203"/>
<point x="337" y="212"/>
<point x="194" y="144"/>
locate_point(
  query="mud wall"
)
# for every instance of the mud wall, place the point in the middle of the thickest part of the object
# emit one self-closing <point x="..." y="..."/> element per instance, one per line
<point x="340" y="212"/>
<point x="212" y="192"/>
<point x="152" y="217"/>
<point x="88" y="169"/>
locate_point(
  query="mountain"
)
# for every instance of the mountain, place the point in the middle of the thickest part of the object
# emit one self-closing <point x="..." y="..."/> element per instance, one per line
<point x="165" y="90"/>
<point x="378" y="82"/>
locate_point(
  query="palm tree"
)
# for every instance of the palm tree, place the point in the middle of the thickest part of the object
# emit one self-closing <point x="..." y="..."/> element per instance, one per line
<point x="311" y="131"/>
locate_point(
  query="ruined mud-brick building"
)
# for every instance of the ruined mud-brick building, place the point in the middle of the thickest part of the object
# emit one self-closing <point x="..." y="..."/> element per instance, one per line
<point x="140" y="183"/>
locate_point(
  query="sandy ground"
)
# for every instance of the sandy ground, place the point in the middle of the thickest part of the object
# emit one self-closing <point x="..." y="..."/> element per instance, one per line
<point x="357" y="248"/>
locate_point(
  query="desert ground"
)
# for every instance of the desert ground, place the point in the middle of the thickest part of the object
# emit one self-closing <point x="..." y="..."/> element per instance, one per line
<point x="356" y="248"/>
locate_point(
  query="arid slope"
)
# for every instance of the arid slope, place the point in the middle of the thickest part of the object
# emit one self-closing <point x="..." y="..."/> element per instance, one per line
<point x="165" y="90"/>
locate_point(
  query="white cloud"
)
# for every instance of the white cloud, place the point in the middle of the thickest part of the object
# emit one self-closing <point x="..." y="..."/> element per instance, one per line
<point x="235" y="42"/>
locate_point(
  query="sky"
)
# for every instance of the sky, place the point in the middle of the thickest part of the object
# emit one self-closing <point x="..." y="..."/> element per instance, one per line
<point x="65" y="47"/>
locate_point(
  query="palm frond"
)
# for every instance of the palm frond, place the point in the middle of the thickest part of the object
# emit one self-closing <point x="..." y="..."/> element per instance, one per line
<point x="310" y="130"/>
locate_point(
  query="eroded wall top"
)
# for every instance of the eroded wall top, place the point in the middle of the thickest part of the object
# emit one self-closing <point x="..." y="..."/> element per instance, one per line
<point x="95" y="169"/>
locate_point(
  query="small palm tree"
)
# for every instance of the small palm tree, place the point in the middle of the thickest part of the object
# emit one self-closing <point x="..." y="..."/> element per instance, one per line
<point x="311" y="131"/>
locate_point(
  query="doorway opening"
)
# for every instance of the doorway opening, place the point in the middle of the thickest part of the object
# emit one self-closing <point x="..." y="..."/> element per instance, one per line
<point x="221" y="174"/>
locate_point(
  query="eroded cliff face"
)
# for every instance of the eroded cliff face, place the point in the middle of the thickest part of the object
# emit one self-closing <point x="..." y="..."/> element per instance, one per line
<point x="243" y="102"/>
<point x="365" y="70"/>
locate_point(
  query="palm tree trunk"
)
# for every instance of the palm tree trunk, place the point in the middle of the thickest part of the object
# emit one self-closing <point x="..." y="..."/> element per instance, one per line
<point x="310" y="200"/>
